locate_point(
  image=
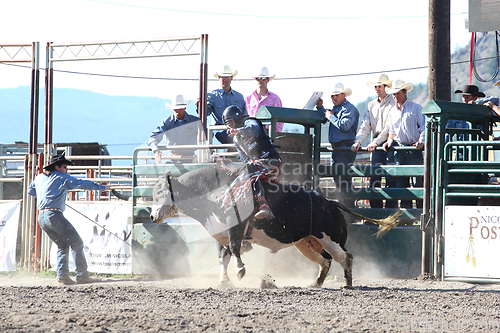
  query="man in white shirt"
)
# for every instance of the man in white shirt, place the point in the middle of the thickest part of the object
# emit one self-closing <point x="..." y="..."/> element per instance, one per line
<point x="374" y="122"/>
<point x="406" y="128"/>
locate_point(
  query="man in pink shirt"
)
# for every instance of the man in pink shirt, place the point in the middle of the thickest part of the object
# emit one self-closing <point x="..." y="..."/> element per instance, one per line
<point x="262" y="96"/>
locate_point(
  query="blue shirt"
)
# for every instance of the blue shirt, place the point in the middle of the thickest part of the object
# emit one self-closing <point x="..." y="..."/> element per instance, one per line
<point x="51" y="191"/>
<point x="343" y="122"/>
<point x="495" y="100"/>
<point x="456" y="124"/>
<point x="219" y="99"/>
<point x="170" y="128"/>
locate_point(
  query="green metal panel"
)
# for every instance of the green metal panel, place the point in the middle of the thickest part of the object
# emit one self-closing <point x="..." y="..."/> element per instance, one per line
<point x="309" y="118"/>
<point x="458" y="111"/>
<point x="397" y="254"/>
<point x="383" y="193"/>
<point x="373" y="170"/>
<point x="382" y="213"/>
<point x="143" y="191"/>
<point x="454" y="181"/>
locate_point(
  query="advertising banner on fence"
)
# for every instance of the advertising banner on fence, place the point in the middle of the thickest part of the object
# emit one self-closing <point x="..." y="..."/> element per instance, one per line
<point x="105" y="229"/>
<point x="9" y="221"/>
<point x="472" y="242"/>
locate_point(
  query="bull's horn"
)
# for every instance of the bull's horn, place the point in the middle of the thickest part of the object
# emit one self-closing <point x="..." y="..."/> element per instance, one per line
<point x="119" y="195"/>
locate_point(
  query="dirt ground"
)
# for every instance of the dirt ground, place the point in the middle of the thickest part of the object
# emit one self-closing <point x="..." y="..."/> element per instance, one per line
<point x="197" y="305"/>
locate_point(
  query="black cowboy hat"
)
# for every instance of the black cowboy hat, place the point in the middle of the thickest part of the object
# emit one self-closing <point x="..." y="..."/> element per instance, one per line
<point x="57" y="160"/>
<point x="470" y="90"/>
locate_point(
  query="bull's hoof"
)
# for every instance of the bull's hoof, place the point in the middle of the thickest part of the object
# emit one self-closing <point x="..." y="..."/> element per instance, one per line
<point x="225" y="284"/>
<point x="241" y="272"/>
<point x="315" y="285"/>
<point x="346" y="286"/>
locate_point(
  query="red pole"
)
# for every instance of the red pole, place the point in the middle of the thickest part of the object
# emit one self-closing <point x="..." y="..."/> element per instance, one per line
<point x="90" y="194"/>
<point x="38" y="230"/>
<point x="471" y="58"/>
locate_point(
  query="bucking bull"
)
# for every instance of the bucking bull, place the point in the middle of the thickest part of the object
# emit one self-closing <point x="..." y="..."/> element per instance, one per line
<point x="302" y="218"/>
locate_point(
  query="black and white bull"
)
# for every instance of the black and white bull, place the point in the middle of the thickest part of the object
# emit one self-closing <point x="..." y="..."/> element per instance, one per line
<point x="302" y="218"/>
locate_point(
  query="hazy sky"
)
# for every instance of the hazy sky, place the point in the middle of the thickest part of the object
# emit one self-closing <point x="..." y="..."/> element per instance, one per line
<point x="349" y="42"/>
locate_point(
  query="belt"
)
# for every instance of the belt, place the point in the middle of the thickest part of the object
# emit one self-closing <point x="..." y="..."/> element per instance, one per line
<point x="50" y="210"/>
<point x="336" y="144"/>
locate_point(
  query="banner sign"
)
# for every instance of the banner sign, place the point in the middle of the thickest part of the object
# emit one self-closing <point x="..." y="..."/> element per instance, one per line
<point x="107" y="242"/>
<point x="472" y="242"/>
<point x="9" y="221"/>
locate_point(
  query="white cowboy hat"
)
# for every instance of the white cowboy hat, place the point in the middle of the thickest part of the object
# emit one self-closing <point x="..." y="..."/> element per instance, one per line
<point x="264" y="72"/>
<point x="383" y="80"/>
<point x="226" y="71"/>
<point x="178" y="102"/>
<point x="399" y="85"/>
<point x="497" y="83"/>
<point x="339" y="89"/>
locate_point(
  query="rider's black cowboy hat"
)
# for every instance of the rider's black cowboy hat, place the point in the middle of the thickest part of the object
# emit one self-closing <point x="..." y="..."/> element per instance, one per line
<point x="470" y="90"/>
<point x="57" y="160"/>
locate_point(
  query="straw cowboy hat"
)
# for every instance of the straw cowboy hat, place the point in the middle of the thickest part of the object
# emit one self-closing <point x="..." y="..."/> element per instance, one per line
<point x="497" y="83"/>
<point x="399" y="85"/>
<point x="264" y="72"/>
<point x="339" y="89"/>
<point x="57" y="160"/>
<point x="470" y="90"/>
<point x="226" y="72"/>
<point x="178" y="102"/>
<point x="383" y="80"/>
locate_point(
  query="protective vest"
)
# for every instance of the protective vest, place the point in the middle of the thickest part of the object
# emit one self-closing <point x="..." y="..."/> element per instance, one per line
<point x="258" y="148"/>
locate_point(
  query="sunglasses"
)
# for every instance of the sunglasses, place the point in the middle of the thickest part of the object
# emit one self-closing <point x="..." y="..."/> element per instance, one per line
<point x="262" y="78"/>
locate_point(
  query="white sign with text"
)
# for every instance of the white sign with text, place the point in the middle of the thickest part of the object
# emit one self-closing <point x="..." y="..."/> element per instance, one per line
<point x="471" y="242"/>
<point x="9" y="221"/>
<point x="106" y="233"/>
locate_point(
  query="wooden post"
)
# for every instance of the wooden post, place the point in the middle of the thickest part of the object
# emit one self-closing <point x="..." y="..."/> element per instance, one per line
<point x="439" y="89"/>
<point x="439" y="50"/>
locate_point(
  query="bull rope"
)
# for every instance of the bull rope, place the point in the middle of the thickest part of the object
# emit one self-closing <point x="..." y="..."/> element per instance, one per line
<point x="88" y="218"/>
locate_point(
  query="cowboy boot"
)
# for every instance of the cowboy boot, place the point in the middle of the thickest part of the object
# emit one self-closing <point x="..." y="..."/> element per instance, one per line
<point x="264" y="212"/>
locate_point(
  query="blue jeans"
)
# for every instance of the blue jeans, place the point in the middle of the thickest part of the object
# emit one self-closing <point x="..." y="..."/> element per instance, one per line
<point x="380" y="157"/>
<point x="342" y="161"/>
<point x="62" y="232"/>
<point x="414" y="157"/>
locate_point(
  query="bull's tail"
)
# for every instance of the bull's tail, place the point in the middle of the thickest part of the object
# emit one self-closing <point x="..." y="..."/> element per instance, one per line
<point x="384" y="225"/>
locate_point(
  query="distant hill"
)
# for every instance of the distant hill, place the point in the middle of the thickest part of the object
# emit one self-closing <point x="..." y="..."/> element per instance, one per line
<point x="121" y="122"/>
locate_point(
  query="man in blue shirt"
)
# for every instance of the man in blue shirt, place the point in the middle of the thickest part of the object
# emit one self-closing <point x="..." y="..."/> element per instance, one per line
<point x="170" y="128"/>
<point x="343" y="120"/>
<point x="219" y="99"/>
<point x="51" y="189"/>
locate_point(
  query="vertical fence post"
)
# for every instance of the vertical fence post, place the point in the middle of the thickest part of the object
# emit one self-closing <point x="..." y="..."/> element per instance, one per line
<point x="202" y="108"/>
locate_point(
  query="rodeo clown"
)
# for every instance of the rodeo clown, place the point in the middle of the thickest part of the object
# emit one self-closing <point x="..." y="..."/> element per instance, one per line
<point x="257" y="151"/>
